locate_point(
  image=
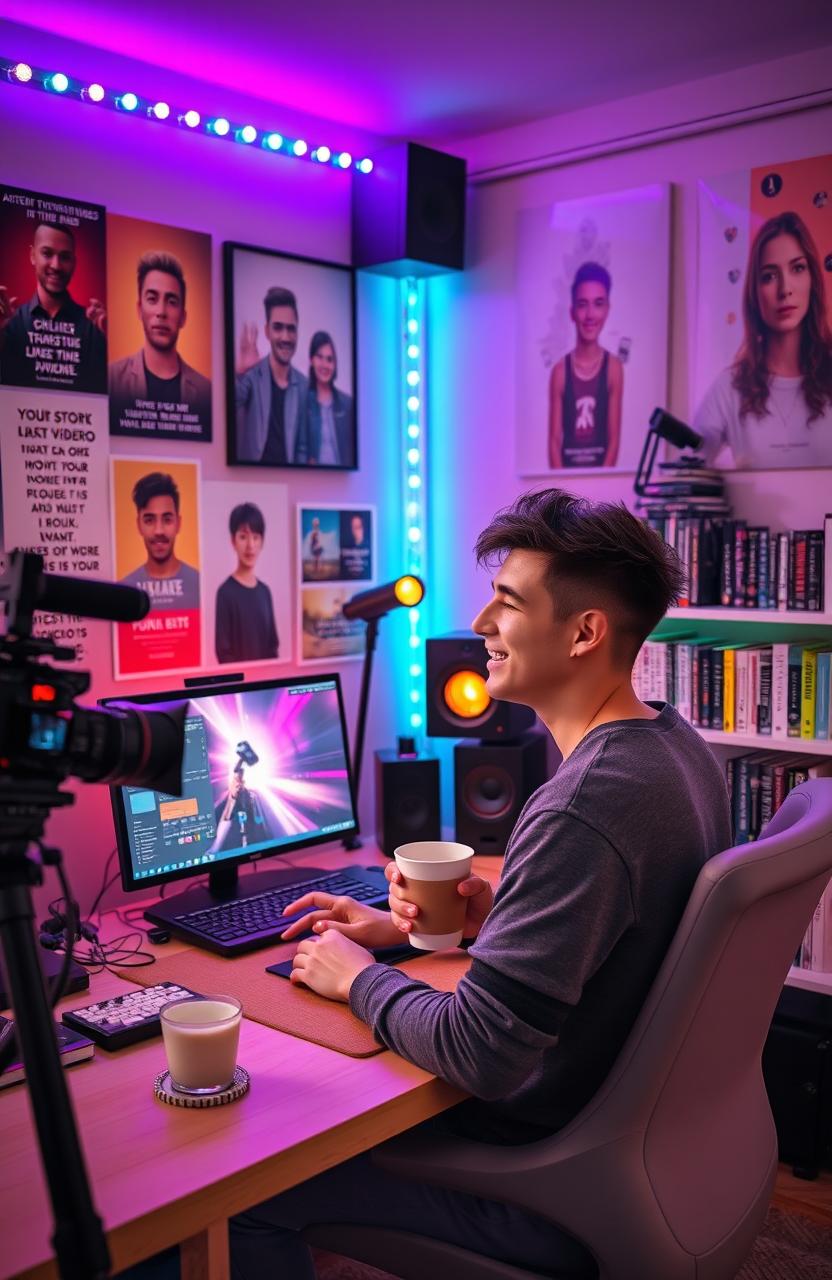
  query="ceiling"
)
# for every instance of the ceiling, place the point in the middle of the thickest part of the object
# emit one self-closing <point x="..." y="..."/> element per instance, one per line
<point x="439" y="69"/>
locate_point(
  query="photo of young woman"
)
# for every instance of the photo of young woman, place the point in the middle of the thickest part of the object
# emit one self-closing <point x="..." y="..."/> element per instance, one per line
<point x="772" y="407"/>
<point x="331" y="432"/>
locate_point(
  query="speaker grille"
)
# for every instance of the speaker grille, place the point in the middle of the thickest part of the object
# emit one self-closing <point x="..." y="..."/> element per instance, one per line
<point x="489" y="793"/>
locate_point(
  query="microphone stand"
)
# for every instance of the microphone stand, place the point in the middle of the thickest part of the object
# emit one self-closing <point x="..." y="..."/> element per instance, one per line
<point x="370" y="637"/>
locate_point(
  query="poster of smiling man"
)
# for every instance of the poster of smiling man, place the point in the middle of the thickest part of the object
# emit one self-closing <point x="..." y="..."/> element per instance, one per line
<point x="159" y="307"/>
<point x="592" y="303"/>
<point x="52" y="289"/>
<point x="762" y="388"/>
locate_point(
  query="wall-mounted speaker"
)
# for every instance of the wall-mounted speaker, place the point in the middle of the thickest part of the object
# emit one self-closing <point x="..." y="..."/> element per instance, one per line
<point x="407" y="799"/>
<point x="458" y="704"/>
<point x="408" y="215"/>
<point x="492" y="782"/>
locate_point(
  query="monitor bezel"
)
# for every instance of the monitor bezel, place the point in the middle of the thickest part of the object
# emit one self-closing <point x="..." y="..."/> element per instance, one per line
<point x="129" y="882"/>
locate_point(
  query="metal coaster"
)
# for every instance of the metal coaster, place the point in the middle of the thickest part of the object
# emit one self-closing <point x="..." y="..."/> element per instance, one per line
<point x="165" y="1092"/>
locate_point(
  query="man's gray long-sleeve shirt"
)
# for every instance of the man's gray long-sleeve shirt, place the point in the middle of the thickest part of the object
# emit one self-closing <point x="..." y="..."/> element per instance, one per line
<point x="596" y="876"/>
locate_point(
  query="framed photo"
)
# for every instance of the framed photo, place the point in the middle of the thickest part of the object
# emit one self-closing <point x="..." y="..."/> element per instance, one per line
<point x="290" y="360"/>
<point x="592" y="305"/>
<point x="336" y="559"/>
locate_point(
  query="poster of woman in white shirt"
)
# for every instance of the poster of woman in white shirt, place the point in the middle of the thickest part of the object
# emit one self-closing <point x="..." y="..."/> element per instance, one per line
<point x="769" y="405"/>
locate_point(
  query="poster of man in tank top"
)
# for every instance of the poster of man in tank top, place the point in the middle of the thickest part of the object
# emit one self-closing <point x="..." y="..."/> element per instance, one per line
<point x="592" y="306"/>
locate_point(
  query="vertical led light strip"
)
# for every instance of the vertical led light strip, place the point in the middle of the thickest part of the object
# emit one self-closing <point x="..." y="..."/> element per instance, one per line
<point x="414" y="482"/>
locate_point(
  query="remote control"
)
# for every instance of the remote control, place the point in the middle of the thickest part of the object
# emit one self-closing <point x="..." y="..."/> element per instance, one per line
<point x="127" y="1019"/>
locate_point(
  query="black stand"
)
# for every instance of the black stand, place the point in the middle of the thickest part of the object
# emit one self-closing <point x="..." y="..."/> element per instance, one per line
<point x="370" y="637"/>
<point x="645" y="462"/>
<point x="78" y="1240"/>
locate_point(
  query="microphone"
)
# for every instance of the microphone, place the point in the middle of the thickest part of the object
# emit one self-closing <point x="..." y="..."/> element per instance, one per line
<point x="90" y="599"/>
<point x="673" y="429"/>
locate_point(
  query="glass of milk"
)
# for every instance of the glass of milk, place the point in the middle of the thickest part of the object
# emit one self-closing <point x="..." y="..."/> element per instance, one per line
<point x="201" y="1035"/>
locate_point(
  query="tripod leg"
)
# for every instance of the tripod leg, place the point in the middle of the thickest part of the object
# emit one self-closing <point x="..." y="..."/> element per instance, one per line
<point x="78" y="1240"/>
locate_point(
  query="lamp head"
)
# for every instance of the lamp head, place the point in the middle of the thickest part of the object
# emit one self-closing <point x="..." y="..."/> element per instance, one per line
<point x="377" y="601"/>
<point x="674" y="430"/>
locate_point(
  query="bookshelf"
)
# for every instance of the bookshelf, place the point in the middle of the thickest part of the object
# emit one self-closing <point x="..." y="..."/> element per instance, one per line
<point x="757" y="626"/>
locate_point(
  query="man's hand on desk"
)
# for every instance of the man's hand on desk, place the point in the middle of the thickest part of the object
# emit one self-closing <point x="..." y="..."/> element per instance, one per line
<point x="329" y="964"/>
<point x="365" y="925"/>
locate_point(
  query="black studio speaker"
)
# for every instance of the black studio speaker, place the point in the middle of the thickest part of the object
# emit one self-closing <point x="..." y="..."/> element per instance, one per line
<point x="458" y="705"/>
<point x="492" y="782"/>
<point x="407" y="799"/>
<point x="408" y="215"/>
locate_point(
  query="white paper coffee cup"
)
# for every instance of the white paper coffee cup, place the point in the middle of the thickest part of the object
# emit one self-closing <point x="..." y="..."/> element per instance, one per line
<point x="432" y="869"/>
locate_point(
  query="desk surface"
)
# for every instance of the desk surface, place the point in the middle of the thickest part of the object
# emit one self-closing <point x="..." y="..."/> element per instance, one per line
<point x="161" y="1175"/>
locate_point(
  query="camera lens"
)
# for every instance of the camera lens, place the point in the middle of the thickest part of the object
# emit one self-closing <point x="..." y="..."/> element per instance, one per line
<point x="127" y="745"/>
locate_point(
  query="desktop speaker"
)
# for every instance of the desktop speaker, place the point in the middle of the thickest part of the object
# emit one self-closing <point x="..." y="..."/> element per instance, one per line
<point x="458" y="705"/>
<point x="407" y="799"/>
<point x="797" y="1070"/>
<point x="492" y="782"/>
<point x="408" y="215"/>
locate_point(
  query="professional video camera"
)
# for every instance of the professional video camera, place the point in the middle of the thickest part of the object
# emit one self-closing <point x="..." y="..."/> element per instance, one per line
<point x="46" y="737"/>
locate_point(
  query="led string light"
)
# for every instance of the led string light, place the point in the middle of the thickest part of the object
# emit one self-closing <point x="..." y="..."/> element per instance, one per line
<point x="160" y="112"/>
<point x="413" y="470"/>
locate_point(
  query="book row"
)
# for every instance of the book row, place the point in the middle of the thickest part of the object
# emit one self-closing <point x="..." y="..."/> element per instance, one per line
<point x="735" y="565"/>
<point x="775" y="690"/>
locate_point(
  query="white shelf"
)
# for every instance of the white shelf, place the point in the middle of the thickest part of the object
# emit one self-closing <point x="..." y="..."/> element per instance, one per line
<point x="805" y="746"/>
<point x="810" y="980"/>
<point x="716" y="613"/>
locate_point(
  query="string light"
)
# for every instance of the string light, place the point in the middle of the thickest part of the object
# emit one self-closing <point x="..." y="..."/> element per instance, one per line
<point x="216" y="126"/>
<point x="412" y="302"/>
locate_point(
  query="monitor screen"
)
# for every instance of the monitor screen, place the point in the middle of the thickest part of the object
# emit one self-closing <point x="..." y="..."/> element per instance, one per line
<point x="265" y="771"/>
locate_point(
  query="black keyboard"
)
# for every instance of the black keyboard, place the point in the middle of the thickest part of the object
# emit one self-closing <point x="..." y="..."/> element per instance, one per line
<point x="257" y="920"/>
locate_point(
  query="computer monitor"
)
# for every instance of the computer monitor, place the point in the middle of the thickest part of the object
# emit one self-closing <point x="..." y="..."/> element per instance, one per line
<point x="265" y="772"/>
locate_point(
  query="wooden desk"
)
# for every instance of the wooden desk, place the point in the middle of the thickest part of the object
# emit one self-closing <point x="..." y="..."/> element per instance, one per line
<point x="161" y="1175"/>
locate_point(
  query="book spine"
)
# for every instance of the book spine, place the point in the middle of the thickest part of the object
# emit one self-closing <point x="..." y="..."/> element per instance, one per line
<point x="764" y="704"/>
<point x="823" y="691"/>
<point x="705" y="665"/>
<point x="752" y="569"/>
<point x="800" y="548"/>
<point x="778" y="777"/>
<point x="826" y="603"/>
<point x="741" y="690"/>
<point x="684" y="542"/>
<point x="772" y="570"/>
<point x="695" y="547"/>
<point x="741" y="828"/>
<point x="793" y="690"/>
<point x="740" y="565"/>
<point x="779" y="690"/>
<point x="766" y="794"/>
<point x="809" y="667"/>
<point x="729" y="690"/>
<point x="717" y="688"/>
<point x="782" y="571"/>
<point x="753" y="688"/>
<point x="683" y="686"/>
<point x="726" y="596"/>
<point x="814" y="570"/>
<point x="791" y="570"/>
<point x="695" y="686"/>
<point x="763" y="600"/>
<point x="753" y="801"/>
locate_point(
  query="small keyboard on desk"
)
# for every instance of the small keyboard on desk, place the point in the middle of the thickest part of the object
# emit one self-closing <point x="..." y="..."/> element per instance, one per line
<point x="256" y="920"/>
<point x="126" y="1019"/>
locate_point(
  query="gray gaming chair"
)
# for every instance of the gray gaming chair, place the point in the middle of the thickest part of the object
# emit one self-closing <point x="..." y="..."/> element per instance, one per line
<point x="666" y="1174"/>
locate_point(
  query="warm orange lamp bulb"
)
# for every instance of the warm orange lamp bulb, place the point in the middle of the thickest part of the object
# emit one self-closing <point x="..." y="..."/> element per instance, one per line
<point x="408" y="590"/>
<point x="465" y="694"/>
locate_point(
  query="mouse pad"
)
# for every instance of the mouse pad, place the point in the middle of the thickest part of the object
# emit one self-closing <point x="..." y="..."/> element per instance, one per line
<point x="384" y="955"/>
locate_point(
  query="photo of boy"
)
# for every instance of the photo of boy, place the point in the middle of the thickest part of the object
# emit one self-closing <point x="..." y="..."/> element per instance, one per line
<point x="245" y="629"/>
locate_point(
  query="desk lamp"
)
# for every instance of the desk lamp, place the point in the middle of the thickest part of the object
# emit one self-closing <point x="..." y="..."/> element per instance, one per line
<point x="372" y="605"/>
<point x="663" y="426"/>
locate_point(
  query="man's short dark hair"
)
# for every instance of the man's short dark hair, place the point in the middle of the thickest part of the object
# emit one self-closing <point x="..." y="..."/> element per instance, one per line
<point x="591" y="271"/>
<point x="247" y="513"/>
<point x="600" y="555"/>
<point x="279" y="297"/>
<point x="157" y="484"/>
<point x="157" y="260"/>
<point x="55" y="226"/>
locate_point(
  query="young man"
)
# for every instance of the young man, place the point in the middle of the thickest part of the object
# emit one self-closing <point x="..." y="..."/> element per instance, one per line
<point x="586" y="385"/>
<point x="157" y="372"/>
<point x="245" y="629"/>
<point x="170" y="583"/>
<point x="271" y="394"/>
<point x="596" y="876"/>
<point x="69" y="348"/>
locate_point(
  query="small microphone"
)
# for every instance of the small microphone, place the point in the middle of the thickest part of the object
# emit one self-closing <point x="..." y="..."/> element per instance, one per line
<point x="91" y="599"/>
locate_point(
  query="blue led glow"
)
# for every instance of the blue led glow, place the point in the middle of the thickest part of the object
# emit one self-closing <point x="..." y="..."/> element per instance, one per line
<point x="58" y="82"/>
<point x="220" y="126"/>
<point x="161" y="110"/>
<point x="128" y="102"/>
<point x="247" y="134"/>
<point x="300" y="147"/>
<point x="322" y="154"/>
<point x="192" y="119"/>
<point x="274" y="141"/>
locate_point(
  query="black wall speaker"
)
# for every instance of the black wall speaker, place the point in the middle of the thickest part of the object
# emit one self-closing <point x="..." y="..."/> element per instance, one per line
<point x="408" y="215"/>
<point x="458" y="705"/>
<point x="492" y="782"/>
<point x="407" y="799"/>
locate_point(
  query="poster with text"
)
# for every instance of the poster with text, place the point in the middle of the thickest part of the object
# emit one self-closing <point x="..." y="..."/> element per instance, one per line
<point x="54" y="462"/>
<point x="591" y="315"/>
<point x="247" y="579"/>
<point x="762" y="385"/>
<point x="336" y="548"/>
<point x="52" y="291"/>
<point x="156" y="536"/>
<point x="159" y="330"/>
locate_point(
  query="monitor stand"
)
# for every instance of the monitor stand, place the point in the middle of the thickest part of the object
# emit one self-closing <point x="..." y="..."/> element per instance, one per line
<point x="225" y="885"/>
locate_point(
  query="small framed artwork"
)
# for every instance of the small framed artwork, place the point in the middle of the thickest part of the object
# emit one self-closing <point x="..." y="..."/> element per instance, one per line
<point x="336" y="559"/>
<point x="290" y="360"/>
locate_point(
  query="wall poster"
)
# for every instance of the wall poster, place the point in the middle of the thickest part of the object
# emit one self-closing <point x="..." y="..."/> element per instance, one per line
<point x="336" y="553"/>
